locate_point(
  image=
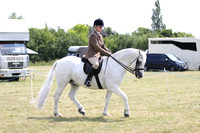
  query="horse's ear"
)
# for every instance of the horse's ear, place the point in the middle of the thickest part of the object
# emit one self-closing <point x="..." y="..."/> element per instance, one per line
<point x="139" y="52"/>
<point x="147" y="51"/>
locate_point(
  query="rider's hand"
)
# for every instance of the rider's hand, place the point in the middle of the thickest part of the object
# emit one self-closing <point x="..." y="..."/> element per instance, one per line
<point x="108" y="53"/>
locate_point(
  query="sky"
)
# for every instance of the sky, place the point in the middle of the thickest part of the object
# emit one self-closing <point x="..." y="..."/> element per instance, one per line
<point x="123" y="16"/>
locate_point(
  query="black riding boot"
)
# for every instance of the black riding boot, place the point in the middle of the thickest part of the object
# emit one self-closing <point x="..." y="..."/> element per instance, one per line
<point x="89" y="77"/>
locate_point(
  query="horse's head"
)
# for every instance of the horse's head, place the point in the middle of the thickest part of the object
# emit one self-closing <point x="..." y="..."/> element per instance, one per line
<point x="139" y="64"/>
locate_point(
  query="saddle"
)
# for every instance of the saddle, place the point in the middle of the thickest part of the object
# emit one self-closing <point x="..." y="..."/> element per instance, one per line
<point x="87" y="67"/>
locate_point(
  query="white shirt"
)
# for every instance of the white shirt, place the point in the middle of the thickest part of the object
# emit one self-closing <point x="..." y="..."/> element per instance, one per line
<point x="98" y="32"/>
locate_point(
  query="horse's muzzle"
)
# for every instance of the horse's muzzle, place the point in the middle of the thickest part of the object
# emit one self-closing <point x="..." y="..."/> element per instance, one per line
<point x="138" y="74"/>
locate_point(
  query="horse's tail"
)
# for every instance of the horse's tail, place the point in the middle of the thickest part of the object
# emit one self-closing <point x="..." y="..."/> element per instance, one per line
<point x="40" y="101"/>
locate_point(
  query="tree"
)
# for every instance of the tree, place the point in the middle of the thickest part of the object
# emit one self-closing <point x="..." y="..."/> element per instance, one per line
<point x="107" y="31"/>
<point x="14" y="16"/>
<point x="166" y="33"/>
<point x="81" y="31"/>
<point x="182" y="34"/>
<point x="141" y="36"/>
<point x="51" y="44"/>
<point x="157" y="22"/>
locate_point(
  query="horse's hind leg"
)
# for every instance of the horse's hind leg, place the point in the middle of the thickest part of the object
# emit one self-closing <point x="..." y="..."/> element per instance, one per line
<point x="108" y="96"/>
<point x="60" y="88"/>
<point x="72" y="96"/>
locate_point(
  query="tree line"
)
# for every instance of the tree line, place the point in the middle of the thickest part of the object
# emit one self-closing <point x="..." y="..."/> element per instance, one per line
<point x="53" y="44"/>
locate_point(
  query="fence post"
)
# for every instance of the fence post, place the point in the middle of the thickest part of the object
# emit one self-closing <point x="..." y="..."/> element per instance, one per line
<point x="168" y="88"/>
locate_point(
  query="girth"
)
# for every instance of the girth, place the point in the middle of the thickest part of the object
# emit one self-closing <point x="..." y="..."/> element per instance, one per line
<point x="87" y="66"/>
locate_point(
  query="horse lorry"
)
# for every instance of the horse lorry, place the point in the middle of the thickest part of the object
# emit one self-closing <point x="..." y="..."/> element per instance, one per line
<point x="186" y="49"/>
<point x="14" y="60"/>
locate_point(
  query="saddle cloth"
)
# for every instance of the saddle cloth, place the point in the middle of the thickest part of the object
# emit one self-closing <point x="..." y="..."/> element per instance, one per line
<point x="87" y="67"/>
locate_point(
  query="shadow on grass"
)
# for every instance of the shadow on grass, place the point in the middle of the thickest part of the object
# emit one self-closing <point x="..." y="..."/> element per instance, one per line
<point x="73" y="119"/>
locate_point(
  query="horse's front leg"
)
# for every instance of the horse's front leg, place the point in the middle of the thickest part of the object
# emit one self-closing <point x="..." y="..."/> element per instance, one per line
<point x="72" y="96"/>
<point x="108" y="96"/>
<point x="119" y="92"/>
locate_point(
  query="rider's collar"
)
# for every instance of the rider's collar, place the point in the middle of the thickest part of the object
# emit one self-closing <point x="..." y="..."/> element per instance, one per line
<point x="97" y="32"/>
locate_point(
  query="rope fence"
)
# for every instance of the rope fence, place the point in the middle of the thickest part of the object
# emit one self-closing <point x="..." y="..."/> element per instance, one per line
<point x="154" y="73"/>
<point x="15" y="78"/>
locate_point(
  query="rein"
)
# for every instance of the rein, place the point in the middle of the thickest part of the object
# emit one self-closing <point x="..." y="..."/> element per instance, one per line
<point x="131" y="70"/>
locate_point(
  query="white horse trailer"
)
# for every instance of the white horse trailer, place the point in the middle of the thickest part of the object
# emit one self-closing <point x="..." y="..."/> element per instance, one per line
<point x="187" y="49"/>
<point x="78" y="51"/>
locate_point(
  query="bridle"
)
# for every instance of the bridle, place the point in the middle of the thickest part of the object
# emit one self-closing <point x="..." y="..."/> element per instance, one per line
<point x="130" y="69"/>
<point x="138" y="62"/>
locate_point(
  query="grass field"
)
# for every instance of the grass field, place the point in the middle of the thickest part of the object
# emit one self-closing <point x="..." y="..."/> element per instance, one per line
<point x="150" y="109"/>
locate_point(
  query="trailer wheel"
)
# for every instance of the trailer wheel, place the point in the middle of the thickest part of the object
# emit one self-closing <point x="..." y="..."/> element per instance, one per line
<point x="172" y="68"/>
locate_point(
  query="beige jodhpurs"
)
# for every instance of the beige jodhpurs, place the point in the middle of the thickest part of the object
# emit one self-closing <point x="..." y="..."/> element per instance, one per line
<point x="94" y="61"/>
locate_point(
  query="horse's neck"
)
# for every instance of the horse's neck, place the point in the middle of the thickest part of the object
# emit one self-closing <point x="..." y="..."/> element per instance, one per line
<point x="126" y="56"/>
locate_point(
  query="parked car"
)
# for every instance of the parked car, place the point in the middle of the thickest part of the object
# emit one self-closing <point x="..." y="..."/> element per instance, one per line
<point x="167" y="61"/>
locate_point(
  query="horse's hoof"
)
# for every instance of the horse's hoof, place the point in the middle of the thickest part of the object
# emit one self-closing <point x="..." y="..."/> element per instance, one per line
<point x="126" y="115"/>
<point x="106" y="114"/>
<point x="58" y="114"/>
<point x="81" y="111"/>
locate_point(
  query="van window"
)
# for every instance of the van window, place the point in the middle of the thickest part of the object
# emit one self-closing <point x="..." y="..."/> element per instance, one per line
<point x="153" y="57"/>
<point x="163" y="57"/>
<point x="182" y="45"/>
<point x="172" y="57"/>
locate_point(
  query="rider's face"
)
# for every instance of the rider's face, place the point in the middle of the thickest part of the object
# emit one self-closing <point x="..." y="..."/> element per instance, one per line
<point x="99" y="28"/>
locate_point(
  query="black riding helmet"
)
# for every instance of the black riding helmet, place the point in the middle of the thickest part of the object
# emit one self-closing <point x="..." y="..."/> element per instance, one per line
<point x="98" y="22"/>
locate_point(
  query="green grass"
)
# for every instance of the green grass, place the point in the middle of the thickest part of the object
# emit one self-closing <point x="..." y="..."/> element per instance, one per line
<point x="150" y="110"/>
<point x="42" y="63"/>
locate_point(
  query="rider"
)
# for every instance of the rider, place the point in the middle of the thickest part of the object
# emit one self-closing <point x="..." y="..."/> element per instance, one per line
<point x="96" y="48"/>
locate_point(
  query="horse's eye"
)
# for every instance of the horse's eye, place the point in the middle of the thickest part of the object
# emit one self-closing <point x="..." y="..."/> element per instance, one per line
<point x="140" y="59"/>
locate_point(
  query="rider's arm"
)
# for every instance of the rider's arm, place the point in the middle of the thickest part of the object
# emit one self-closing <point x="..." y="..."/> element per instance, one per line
<point x="94" y="43"/>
